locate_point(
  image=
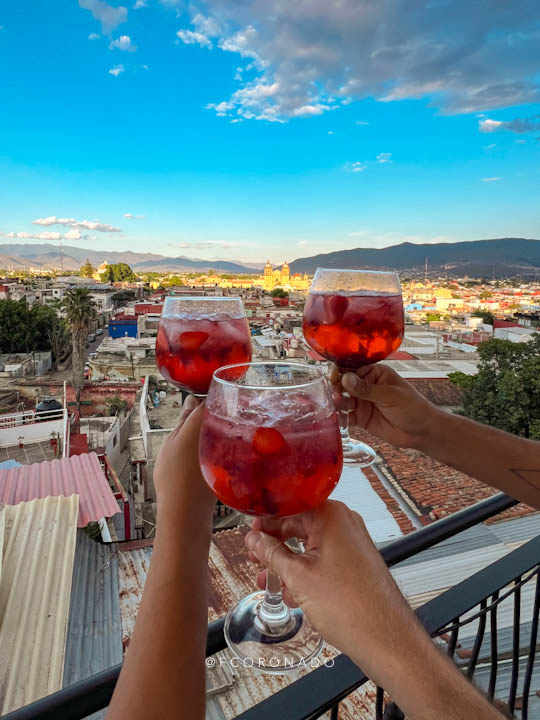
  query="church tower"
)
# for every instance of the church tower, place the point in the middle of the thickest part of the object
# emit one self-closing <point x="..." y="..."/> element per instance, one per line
<point x="268" y="276"/>
<point x="285" y="274"/>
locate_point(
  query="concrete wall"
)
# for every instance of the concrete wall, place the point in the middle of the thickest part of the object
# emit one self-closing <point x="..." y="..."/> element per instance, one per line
<point x="31" y="433"/>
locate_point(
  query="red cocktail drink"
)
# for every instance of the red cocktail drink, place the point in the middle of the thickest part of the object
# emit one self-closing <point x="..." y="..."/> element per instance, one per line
<point x="188" y="350"/>
<point x="353" y="329"/>
<point x="276" y="469"/>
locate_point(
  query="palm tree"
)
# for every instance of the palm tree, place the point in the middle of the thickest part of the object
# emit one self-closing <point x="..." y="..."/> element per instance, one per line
<point x="80" y="310"/>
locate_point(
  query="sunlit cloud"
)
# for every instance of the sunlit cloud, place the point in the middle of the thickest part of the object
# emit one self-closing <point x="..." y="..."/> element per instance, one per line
<point x="116" y="70"/>
<point x="383" y="158"/>
<point x="491" y="179"/>
<point x="122" y="43"/>
<point x="355" y="167"/>
<point x="79" y="224"/>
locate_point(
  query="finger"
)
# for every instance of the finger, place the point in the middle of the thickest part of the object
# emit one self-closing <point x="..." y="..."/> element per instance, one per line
<point x="296" y="526"/>
<point x="270" y="551"/>
<point x="190" y="404"/>
<point x="358" y="387"/>
<point x="287" y="597"/>
<point x="335" y="375"/>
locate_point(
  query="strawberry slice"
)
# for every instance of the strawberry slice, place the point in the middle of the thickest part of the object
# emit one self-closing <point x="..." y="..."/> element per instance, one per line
<point x="267" y="441"/>
<point x="335" y="307"/>
<point x="192" y="340"/>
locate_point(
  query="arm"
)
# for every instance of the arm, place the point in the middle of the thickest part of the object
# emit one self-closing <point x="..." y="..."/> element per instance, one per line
<point x="369" y="621"/>
<point x="163" y="673"/>
<point x="389" y="407"/>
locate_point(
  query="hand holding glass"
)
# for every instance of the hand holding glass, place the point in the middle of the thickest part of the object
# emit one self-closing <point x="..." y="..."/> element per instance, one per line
<point x="270" y="446"/>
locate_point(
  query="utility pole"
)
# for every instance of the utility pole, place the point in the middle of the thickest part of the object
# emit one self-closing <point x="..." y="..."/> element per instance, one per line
<point x="425" y="269"/>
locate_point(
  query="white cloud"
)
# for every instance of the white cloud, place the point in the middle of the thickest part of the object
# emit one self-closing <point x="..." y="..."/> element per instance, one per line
<point x="78" y="224"/>
<point x="237" y="120"/>
<point x="123" y="43"/>
<point x="94" y="36"/>
<point x="116" y="70"/>
<point x="355" y="167"/>
<point x="464" y="58"/>
<point x="361" y="122"/>
<point x="131" y="216"/>
<point x="489" y="126"/>
<point x="491" y="146"/>
<point x="383" y="158"/>
<point x="110" y="17"/>
<point x="140" y="4"/>
<point x="189" y="37"/>
<point x="33" y="236"/>
<point x="518" y="125"/>
<point x="73" y="235"/>
<point x="491" y="179"/>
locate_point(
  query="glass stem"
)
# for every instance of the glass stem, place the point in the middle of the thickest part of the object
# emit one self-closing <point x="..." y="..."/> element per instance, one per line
<point x="343" y="417"/>
<point x="273" y="610"/>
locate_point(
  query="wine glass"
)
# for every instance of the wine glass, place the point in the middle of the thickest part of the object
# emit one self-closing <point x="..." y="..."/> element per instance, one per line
<point x="198" y="335"/>
<point x="354" y="318"/>
<point x="270" y="446"/>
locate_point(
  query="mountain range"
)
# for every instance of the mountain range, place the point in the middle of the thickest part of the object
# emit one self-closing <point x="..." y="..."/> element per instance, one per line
<point x="476" y="258"/>
<point x="47" y="256"/>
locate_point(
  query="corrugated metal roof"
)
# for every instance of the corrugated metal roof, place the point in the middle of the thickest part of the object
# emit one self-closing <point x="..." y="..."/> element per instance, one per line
<point x="517" y="529"/>
<point x="80" y="474"/>
<point x="502" y="688"/>
<point x="474" y="538"/>
<point x="94" y="638"/>
<point x="133" y="568"/>
<point x="355" y="490"/>
<point x="39" y="545"/>
<point x="444" y="572"/>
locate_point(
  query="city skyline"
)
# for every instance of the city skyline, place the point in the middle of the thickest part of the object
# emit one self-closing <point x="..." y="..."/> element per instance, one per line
<point x="219" y="132"/>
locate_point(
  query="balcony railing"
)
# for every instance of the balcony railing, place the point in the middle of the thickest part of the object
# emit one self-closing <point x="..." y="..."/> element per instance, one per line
<point x="473" y="603"/>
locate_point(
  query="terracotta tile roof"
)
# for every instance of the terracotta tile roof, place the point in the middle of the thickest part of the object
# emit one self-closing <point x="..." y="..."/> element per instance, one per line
<point x="439" y="391"/>
<point x="433" y="489"/>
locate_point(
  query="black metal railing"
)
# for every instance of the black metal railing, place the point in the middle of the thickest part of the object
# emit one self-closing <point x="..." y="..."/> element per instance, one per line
<point x="324" y="688"/>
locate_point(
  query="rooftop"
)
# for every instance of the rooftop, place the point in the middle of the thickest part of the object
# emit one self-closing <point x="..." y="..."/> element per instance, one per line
<point x="81" y="475"/>
<point x="34" y="452"/>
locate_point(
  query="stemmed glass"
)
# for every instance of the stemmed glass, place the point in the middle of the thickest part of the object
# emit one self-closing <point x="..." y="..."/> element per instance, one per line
<point x="270" y="446"/>
<point x="198" y="335"/>
<point x="354" y="318"/>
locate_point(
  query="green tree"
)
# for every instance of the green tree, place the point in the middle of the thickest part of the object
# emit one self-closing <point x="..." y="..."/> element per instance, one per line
<point x="119" y="272"/>
<point x="80" y="310"/>
<point x="506" y="391"/>
<point x="433" y="317"/>
<point x="279" y="293"/>
<point x="87" y="270"/>
<point x="486" y="316"/>
<point x="24" y="328"/>
<point x="123" y="296"/>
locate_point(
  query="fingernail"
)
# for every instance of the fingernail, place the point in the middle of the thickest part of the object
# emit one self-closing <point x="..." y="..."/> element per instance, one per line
<point x="190" y="403"/>
<point x="251" y="539"/>
<point x="351" y="380"/>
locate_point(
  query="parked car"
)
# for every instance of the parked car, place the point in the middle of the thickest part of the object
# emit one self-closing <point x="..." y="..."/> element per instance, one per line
<point x="91" y="337"/>
<point x="99" y="331"/>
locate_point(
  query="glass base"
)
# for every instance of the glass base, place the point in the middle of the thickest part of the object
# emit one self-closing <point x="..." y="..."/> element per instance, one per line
<point x="355" y="451"/>
<point x="273" y="649"/>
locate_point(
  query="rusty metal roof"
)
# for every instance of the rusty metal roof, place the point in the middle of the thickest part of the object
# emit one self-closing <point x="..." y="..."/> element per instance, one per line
<point x="94" y="637"/>
<point x="81" y="475"/>
<point x="35" y="588"/>
<point x="133" y="567"/>
<point x="232" y="575"/>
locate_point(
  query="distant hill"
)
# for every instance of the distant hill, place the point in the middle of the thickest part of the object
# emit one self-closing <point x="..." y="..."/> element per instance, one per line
<point x="502" y="256"/>
<point x="47" y="256"/>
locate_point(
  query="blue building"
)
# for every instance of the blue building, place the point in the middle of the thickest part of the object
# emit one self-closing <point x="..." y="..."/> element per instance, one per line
<point x="124" y="326"/>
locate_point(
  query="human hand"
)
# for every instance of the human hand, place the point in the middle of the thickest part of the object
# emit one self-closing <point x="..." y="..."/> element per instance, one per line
<point x="341" y="582"/>
<point x="385" y="404"/>
<point x="177" y="473"/>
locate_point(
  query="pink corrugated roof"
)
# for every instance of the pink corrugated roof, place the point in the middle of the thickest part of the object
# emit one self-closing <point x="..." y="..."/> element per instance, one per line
<point x="80" y="474"/>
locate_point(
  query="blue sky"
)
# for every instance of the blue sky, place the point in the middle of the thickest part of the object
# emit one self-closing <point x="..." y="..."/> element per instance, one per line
<point x="236" y="133"/>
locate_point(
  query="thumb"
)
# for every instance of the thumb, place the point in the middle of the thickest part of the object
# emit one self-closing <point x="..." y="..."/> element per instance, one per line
<point x="360" y="388"/>
<point x="271" y="552"/>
